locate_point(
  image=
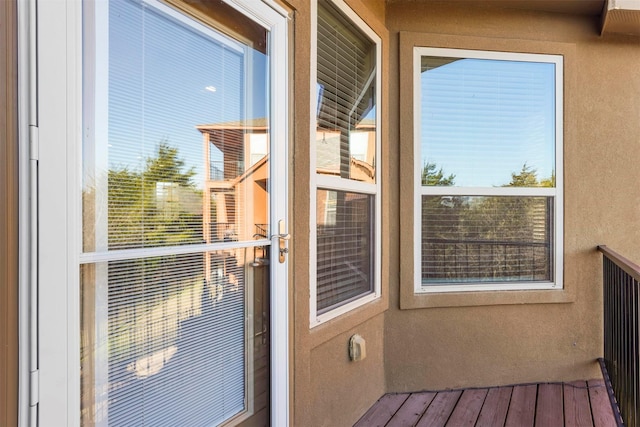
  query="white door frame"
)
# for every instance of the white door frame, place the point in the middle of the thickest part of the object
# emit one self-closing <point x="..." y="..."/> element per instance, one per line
<point x="59" y="83"/>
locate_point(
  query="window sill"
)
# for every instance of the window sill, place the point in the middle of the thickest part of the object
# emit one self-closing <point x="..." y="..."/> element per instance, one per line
<point x="412" y="300"/>
<point x="318" y="320"/>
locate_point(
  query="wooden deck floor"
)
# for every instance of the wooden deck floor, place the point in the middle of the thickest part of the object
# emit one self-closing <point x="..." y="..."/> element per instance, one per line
<point x="579" y="403"/>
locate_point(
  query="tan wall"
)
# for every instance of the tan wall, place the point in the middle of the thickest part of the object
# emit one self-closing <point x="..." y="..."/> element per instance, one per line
<point x="8" y="216"/>
<point x="326" y="388"/>
<point x="491" y="339"/>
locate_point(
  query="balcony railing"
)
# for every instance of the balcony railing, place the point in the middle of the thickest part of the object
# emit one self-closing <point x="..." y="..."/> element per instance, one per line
<point x="225" y="170"/>
<point x="460" y="260"/>
<point x="621" y="279"/>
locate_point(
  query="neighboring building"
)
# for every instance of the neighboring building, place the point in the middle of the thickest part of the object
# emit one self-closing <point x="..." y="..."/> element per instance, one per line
<point x="202" y="202"/>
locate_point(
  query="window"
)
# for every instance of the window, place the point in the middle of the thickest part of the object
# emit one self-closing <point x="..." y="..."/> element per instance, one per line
<point x="488" y="170"/>
<point x="345" y="210"/>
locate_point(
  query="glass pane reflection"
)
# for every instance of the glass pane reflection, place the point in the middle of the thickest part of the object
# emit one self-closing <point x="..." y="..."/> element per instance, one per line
<point x="483" y="120"/>
<point x="174" y="109"/>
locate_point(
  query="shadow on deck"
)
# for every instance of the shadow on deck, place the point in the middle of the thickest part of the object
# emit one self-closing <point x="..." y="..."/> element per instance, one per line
<point x="578" y="403"/>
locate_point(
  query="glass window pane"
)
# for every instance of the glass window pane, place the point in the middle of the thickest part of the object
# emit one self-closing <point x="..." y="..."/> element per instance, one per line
<point x="176" y="112"/>
<point x="482" y="121"/>
<point x="346" y="112"/>
<point x="345" y="247"/>
<point x="487" y="239"/>
<point x="143" y="350"/>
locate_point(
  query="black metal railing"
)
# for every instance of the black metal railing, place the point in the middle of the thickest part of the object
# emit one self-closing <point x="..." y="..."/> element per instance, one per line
<point x="621" y="281"/>
<point x="461" y="260"/>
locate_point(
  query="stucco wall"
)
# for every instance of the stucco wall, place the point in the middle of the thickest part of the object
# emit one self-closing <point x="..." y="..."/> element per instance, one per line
<point x="510" y="339"/>
<point x="327" y="389"/>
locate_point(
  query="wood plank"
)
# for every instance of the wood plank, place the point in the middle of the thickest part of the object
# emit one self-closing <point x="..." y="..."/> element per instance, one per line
<point x="380" y="413"/>
<point x="577" y="409"/>
<point x="522" y="409"/>
<point x="600" y="404"/>
<point x="412" y="409"/>
<point x="549" y="411"/>
<point x="440" y="409"/>
<point x="468" y="408"/>
<point x="494" y="410"/>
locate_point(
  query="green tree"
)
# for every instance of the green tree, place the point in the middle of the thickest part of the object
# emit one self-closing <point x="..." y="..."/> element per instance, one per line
<point x="431" y="175"/>
<point x="166" y="166"/>
<point x="156" y="206"/>
<point x="528" y="177"/>
<point x="159" y="205"/>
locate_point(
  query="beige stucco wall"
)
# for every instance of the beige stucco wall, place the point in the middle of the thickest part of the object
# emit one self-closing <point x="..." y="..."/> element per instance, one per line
<point x="492" y="339"/>
<point x="470" y="339"/>
<point x="327" y="389"/>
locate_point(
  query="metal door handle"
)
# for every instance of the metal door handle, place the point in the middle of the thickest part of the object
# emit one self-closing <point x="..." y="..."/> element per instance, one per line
<point x="282" y="237"/>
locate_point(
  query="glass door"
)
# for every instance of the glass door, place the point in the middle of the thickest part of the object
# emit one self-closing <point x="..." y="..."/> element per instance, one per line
<point x="178" y="210"/>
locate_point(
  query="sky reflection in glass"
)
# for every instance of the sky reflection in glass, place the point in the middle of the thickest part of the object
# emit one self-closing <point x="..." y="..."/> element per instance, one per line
<point x="482" y="120"/>
<point x="161" y="75"/>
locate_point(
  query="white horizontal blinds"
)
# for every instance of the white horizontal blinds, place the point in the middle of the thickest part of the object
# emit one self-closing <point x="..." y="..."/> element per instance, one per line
<point x="345" y="139"/>
<point x="175" y="343"/>
<point x="344" y="247"/>
<point x="487" y="239"/>
<point x="170" y="85"/>
<point x="169" y="101"/>
<point x="487" y="125"/>
<point x="484" y="119"/>
<point x="345" y="149"/>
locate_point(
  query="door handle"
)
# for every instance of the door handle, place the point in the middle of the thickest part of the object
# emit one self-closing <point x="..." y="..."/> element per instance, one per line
<point x="282" y="237"/>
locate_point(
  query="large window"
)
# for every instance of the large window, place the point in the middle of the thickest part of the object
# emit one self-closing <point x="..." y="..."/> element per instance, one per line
<point x="488" y="170"/>
<point x="345" y="182"/>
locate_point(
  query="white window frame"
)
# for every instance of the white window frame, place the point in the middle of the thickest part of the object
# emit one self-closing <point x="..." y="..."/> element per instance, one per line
<point x="331" y="183"/>
<point x="55" y="386"/>
<point x="420" y="190"/>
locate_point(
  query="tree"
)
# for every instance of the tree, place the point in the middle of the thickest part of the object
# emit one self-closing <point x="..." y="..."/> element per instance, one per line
<point x="528" y="177"/>
<point x="431" y="175"/>
<point x="166" y="166"/>
<point x="156" y="206"/>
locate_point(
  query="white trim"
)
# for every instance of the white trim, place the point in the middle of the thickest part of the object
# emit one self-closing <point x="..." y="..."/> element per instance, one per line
<point x="277" y="7"/>
<point x="556" y="193"/>
<point x="59" y="119"/>
<point x="487" y="54"/>
<point x="417" y="172"/>
<point x="313" y="178"/>
<point x="122" y="254"/>
<point x="329" y="182"/>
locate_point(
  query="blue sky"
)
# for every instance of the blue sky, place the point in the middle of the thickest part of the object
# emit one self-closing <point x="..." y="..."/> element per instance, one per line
<point x="481" y="120"/>
<point x="164" y="80"/>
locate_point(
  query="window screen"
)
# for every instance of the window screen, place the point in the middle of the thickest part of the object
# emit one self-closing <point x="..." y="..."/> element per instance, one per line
<point x="488" y="160"/>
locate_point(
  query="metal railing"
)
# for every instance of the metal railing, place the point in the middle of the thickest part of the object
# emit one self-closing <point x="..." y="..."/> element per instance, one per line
<point x="621" y="281"/>
<point x="449" y="259"/>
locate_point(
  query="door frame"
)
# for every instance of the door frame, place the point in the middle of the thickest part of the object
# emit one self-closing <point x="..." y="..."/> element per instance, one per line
<point x="59" y="104"/>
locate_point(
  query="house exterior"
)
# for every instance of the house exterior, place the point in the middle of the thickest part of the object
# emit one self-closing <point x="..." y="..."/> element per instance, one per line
<point x="112" y="303"/>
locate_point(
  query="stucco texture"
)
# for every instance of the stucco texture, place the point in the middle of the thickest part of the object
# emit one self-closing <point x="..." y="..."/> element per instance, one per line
<point x="327" y="389"/>
<point x="496" y="338"/>
<point x="472" y="339"/>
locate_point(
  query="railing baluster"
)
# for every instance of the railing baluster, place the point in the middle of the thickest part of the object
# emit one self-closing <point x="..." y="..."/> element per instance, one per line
<point x="621" y="325"/>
